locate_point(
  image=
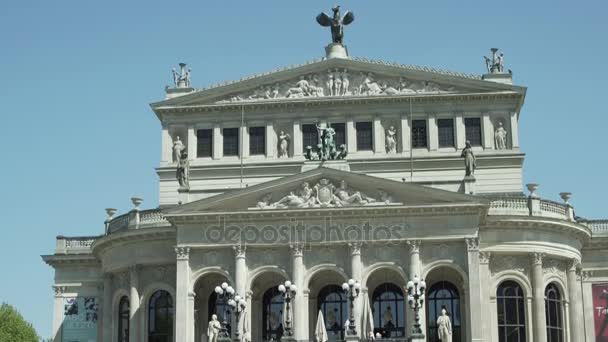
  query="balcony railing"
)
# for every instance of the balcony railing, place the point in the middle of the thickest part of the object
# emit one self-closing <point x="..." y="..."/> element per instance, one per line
<point x="598" y="227"/>
<point x="530" y="206"/>
<point x="136" y="219"/>
<point x="74" y="245"/>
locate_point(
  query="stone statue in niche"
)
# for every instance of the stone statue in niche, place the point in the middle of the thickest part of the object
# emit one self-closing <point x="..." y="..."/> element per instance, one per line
<point x="391" y="140"/>
<point x="500" y="137"/>
<point x="469" y="159"/>
<point x="496" y="64"/>
<point x="213" y="329"/>
<point x="284" y="144"/>
<point x="183" y="170"/>
<point x="444" y="326"/>
<point x="178" y="147"/>
<point x="336" y="23"/>
<point x="181" y="79"/>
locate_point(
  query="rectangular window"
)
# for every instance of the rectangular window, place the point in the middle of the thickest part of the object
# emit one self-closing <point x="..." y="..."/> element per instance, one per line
<point x="365" y="136"/>
<point x="445" y="129"/>
<point x="231" y="141"/>
<point x="340" y="137"/>
<point x="419" y="133"/>
<point x="310" y="136"/>
<point x="204" y="143"/>
<point x="257" y="140"/>
<point x="473" y="130"/>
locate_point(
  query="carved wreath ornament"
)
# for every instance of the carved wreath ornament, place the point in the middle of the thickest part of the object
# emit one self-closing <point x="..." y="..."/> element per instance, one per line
<point x="325" y="194"/>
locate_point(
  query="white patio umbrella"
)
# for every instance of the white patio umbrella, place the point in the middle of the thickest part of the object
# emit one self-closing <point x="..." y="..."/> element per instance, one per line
<point x="367" y="322"/>
<point x="320" y="331"/>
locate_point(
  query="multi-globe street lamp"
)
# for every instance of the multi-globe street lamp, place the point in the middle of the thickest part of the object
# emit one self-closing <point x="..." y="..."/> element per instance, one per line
<point x="232" y="300"/>
<point x="415" y="298"/>
<point x="352" y="289"/>
<point x="288" y="290"/>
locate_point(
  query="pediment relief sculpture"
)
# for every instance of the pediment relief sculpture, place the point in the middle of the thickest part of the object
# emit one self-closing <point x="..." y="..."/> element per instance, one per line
<point x="324" y="194"/>
<point x="339" y="82"/>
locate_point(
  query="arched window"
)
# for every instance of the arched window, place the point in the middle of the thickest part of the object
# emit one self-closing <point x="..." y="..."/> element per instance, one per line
<point x="160" y="317"/>
<point x="443" y="294"/>
<point x="219" y="306"/>
<point x="387" y="306"/>
<point x="332" y="303"/>
<point x="553" y="313"/>
<point x="123" y="319"/>
<point x="272" y="319"/>
<point x="511" y="312"/>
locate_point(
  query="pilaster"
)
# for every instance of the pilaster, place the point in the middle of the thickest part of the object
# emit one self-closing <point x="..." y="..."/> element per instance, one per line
<point x="271" y="140"/>
<point x="378" y="136"/>
<point x="192" y="142"/>
<point x="184" y="323"/>
<point x="460" y="131"/>
<point x="475" y="292"/>
<point x="514" y="131"/>
<point x="165" y="145"/>
<point x="58" y="312"/>
<point x="106" y="308"/>
<point x="244" y="142"/>
<point x="297" y="139"/>
<point x="576" y="302"/>
<point x="134" y="303"/>
<point x="218" y="147"/>
<point x="538" y="301"/>
<point x="405" y="134"/>
<point x="487" y="131"/>
<point x="351" y="135"/>
<point x="433" y="135"/>
<point x="485" y="297"/>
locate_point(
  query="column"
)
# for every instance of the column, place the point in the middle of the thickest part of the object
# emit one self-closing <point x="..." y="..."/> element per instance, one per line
<point x="514" y="131"/>
<point x="107" y="307"/>
<point x="271" y="141"/>
<point x="351" y="136"/>
<point x="378" y="136"/>
<point x="576" y="302"/>
<point x="488" y="321"/>
<point x="240" y="275"/>
<point x="587" y="294"/>
<point x="461" y="135"/>
<point x="405" y="132"/>
<point x="297" y="139"/>
<point x="356" y="269"/>
<point x="300" y="304"/>
<point x="166" y="142"/>
<point x="433" y="135"/>
<point x="474" y="291"/>
<point x="538" y="301"/>
<point x="218" y="148"/>
<point x="183" y="322"/>
<point x="58" y="312"/>
<point x="487" y="131"/>
<point x="134" y="303"/>
<point x="415" y="270"/>
<point x="191" y="142"/>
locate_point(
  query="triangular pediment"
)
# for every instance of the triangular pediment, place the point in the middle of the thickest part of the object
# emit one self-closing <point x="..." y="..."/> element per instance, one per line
<point x="324" y="188"/>
<point x="339" y="78"/>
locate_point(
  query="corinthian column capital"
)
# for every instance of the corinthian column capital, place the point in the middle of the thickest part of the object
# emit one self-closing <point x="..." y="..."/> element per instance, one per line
<point x="297" y="249"/>
<point x="414" y="245"/>
<point x="355" y="247"/>
<point x="239" y="251"/>
<point x="182" y="253"/>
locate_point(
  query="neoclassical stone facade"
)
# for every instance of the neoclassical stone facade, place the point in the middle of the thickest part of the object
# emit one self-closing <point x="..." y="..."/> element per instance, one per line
<point x="251" y="210"/>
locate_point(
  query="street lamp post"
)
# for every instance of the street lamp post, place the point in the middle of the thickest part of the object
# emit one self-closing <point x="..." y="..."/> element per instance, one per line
<point x="289" y="291"/>
<point x="352" y="289"/>
<point x="415" y="298"/>
<point x="233" y="301"/>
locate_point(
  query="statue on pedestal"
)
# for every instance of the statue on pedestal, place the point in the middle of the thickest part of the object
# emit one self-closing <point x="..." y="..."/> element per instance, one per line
<point x="500" y="137"/>
<point x="181" y="79"/>
<point x="469" y="159"/>
<point x="178" y="147"/>
<point x="183" y="169"/>
<point x="496" y="64"/>
<point x="213" y="330"/>
<point x="336" y="23"/>
<point x="283" y="144"/>
<point x="444" y="326"/>
<point x="391" y="140"/>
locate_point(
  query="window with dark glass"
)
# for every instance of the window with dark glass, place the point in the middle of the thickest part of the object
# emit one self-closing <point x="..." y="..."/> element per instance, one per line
<point x="332" y="303"/>
<point x="218" y="305"/>
<point x="473" y="130"/>
<point x="272" y="315"/>
<point x="123" y="319"/>
<point x="387" y="307"/>
<point x="231" y="141"/>
<point x="365" y="136"/>
<point x="445" y="129"/>
<point x="553" y="313"/>
<point x="340" y="137"/>
<point x="310" y="136"/>
<point x="441" y="295"/>
<point x="204" y="143"/>
<point x="257" y="140"/>
<point x="419" y="133"/>
<point x="511" y="312"/>
<point x="160" y="317"/>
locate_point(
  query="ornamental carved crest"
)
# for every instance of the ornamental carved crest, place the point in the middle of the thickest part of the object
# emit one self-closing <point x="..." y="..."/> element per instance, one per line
<point x="324" y="194"/>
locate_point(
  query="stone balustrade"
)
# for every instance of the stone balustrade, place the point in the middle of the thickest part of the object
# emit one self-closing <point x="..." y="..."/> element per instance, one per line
<point x="531" y="206"/>
<point x="136" y="219"/>
<point x="598" y="227"/>
<point x="74" y="245"/>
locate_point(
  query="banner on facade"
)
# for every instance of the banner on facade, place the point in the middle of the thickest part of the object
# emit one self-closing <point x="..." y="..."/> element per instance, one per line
<point x="80" y="318"/>
<point x="600" y="310"/>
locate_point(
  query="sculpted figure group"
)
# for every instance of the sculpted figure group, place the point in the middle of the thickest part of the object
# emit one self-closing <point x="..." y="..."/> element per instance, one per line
<point x="323" y="194"/>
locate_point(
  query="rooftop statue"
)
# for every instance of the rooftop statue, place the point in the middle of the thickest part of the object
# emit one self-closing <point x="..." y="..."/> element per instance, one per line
<point x="496" y="64"/>
<point x="336" y="23"/>
<point x="181" y="79"/>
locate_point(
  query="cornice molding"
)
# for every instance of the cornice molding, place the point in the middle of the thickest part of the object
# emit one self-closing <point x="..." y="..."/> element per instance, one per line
<point x="134" y="235"/>
<point x="573" y="229"/>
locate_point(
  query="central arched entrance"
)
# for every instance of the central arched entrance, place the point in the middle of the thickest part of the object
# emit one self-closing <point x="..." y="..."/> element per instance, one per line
<point x="206" y="302"/>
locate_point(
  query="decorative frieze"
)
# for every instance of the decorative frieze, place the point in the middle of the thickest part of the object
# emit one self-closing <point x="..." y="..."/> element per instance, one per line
<point x="183" y="253"/>
<point x="163" y="272"/>
<point x="555" y="267"/>
<point x="500" y="263"/>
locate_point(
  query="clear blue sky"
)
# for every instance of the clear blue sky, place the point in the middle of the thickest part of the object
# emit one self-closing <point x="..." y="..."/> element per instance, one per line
<point x="77" y="77"/>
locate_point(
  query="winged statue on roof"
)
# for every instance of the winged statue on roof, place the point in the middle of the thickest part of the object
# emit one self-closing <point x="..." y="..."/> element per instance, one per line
<point x="337" y="23"/>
